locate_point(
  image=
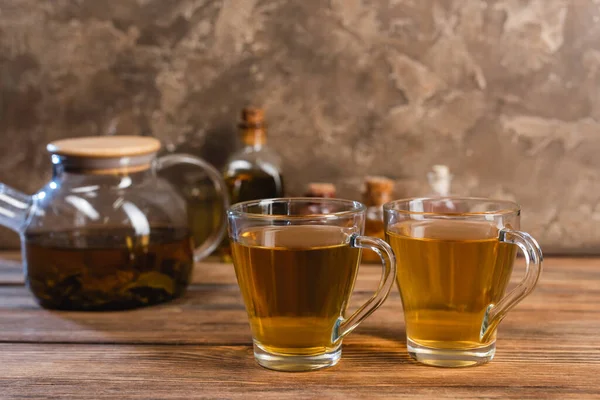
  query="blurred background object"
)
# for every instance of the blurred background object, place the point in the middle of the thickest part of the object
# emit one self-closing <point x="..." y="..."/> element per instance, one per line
<point x="440" y="180"/>
<point x="254" y="171"/>
<point x="320" y="189"/>
<point x="506" y="93"/>
<point x="378" y="191"/>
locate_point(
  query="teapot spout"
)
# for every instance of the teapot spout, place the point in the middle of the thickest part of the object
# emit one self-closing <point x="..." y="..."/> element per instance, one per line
<point x="14" y="208"/>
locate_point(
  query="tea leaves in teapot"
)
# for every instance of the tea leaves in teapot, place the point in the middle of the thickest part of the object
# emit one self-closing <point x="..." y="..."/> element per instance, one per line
<point x="108" y="269"/>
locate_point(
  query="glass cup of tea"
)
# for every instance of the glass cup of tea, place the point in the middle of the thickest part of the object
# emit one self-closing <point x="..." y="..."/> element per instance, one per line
<point x="454" y="261"/>
<point x="296" y="261"/>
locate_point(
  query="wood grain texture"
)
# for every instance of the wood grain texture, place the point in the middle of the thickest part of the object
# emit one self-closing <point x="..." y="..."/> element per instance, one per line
<point x="367" y="371"/>
<point x="200" y="346"/>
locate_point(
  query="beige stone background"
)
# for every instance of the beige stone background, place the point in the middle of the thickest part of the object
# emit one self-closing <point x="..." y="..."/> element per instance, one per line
<point x="505" y="92"/>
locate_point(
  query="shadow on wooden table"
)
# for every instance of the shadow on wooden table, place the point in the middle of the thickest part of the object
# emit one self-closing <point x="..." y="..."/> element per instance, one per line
<point x="203" y="315"/>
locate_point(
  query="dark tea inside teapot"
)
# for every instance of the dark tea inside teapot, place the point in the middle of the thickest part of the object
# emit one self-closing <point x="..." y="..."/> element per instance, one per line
<point x="108" y="269"/>
<point x="106" y="233"/>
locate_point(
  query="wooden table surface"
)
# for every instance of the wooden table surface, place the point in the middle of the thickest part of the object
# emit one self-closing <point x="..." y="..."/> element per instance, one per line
<point x="200" y="346"/>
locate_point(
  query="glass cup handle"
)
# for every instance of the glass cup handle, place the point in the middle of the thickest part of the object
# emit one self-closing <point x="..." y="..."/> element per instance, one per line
<point x="388" y="276"/>
<point x="533" y="259"/>
<point x="215" y="239"/>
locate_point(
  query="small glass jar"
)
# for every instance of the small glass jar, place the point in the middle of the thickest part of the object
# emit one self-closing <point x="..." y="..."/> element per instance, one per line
<point x="378" y="191"/>
<point x="320" y="189"/>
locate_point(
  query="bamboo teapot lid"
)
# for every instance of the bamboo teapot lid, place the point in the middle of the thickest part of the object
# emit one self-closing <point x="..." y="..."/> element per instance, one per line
<point x="105" y="154"/>
<point x="104" y="146"/>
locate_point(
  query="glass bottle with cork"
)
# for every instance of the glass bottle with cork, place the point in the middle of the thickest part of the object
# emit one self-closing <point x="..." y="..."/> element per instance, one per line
<point x="378" y="191"/>
<point x="253" y="172"/>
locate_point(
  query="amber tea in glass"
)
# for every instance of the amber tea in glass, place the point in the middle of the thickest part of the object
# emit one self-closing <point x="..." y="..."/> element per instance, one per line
<point x="296" y="261"/>
<point x="454" y="261"/>
<point x="108" y="270"/>
<point x="466" y="270"/>
<point x="277" y="269"/>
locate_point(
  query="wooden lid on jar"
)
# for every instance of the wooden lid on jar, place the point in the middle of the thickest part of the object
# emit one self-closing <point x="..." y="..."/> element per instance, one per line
<point x="321" y="189"/>
<point x="105" y="154"/>
<point x="378" y="190"/>
<point x="104" y="146"/>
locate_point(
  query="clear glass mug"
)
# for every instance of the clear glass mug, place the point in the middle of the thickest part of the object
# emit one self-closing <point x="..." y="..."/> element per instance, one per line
<point x="454" y="261"/>
<point x="296" y="262"/>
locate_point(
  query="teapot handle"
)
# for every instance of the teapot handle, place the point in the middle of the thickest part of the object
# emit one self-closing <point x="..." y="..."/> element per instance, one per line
<point x="211" y="243"/>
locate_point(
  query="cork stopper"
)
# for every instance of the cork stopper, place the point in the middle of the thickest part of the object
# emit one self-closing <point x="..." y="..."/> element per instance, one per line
<point x="253" y="116"/>
<point x="320" y="189"/>
<point x="253" y="127"/>
<point x="378" y="190"/>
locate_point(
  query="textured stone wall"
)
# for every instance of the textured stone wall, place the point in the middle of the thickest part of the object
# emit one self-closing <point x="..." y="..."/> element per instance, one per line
<point x="505" y="92"/>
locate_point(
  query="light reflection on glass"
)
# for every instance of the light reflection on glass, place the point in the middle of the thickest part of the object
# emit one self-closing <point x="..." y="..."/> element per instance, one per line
<point x="137" y="218"/>
<point x="83" y="206"/>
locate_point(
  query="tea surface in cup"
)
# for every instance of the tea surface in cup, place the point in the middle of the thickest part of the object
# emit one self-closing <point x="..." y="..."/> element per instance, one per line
<point x="449" y="272"/>
<point x="296" y="281"/>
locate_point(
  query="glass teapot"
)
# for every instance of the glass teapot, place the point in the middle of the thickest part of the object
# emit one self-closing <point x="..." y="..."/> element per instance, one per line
<point x="107" y="233"/>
